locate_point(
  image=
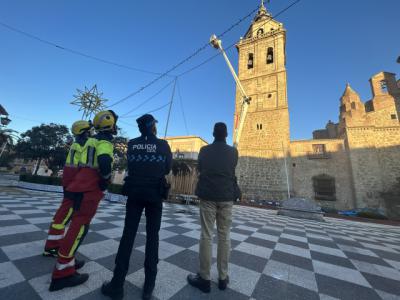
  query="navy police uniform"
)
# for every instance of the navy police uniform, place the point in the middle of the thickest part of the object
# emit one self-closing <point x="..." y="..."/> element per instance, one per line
<point x="149" y="160"/>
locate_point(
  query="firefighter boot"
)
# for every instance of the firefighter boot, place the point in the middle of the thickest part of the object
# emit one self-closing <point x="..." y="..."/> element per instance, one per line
<point x="70" y="281"/>
<point x="54" y="253"/>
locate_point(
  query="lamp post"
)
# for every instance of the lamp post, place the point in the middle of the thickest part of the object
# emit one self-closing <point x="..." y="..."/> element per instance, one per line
<point x="5" y="121"/>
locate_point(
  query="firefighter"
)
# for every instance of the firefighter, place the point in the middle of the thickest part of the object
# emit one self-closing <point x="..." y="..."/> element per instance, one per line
<point x="81" y="132"/>
<point x="149" y="160"/>
<point x="87" y="189"/>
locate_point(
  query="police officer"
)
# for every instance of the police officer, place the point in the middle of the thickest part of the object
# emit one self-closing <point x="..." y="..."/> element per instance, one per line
<point x="149" y="160"/>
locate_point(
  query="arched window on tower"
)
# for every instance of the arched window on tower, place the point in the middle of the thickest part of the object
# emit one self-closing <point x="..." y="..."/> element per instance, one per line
<point x="384" y="88"/>
<point x="250" y="61"/>
<point x="260" y="32"/>
<point x="270" y="55"/>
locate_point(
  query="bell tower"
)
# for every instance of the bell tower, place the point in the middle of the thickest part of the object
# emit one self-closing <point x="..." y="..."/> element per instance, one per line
<point x="265" y="139"/>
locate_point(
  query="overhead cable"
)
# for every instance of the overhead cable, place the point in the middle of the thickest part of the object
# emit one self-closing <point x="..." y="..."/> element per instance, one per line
<point x="219" y="53"/>
<point x="150" y="111"/>
<point x="126" y="115"/>
<point x="183" y="61"/>
<point x="75" y="52"/>
<point x="234" y="44"/>
<point x="182" y="109"/>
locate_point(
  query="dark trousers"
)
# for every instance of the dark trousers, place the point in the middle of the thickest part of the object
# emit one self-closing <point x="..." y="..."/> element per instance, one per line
<point x="134" y="209"/>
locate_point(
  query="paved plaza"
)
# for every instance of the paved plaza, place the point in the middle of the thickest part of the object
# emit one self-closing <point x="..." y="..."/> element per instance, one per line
<point x="273" y="257"/>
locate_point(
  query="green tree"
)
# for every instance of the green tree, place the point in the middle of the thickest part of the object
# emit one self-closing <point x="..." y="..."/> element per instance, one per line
<point x="48" y="143"/>
<point x="120" y="148"/>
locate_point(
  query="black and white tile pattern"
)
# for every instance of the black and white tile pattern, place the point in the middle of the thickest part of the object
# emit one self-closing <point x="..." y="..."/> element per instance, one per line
<point x="273" y="257"/>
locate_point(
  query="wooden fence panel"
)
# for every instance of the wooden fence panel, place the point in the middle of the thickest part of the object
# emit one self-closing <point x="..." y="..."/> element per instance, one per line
<point x="183" y="183"/>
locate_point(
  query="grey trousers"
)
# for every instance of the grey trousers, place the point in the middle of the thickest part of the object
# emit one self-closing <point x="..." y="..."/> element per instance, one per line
<point x="209" y="213"/>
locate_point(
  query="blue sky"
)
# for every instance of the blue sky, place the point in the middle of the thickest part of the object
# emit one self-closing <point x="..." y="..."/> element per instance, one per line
<point x="329" y="43"/>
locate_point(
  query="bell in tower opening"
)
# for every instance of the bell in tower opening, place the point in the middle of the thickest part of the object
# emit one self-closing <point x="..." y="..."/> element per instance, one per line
<point x="270" y="55"/>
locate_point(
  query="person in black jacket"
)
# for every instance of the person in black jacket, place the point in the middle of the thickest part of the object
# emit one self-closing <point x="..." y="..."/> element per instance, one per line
<point x="217" y="189"/>
<point x="149" y="160"/>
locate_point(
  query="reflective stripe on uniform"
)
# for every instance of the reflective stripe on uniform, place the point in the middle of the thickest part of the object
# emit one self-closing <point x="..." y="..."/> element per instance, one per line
<point x="62" y="225"/>
<point x="77" y="240"/>
<point x="54" y="237"/>
<point x="91" y="155"/>
<point x="68" y="216"/>
<point x="63" y="256"/>
<point x="74" y="155"/>
<point x="65" y="266"/>
<point x="71" y="159"/>
<point x="58" y="226"/>
<point x="92" y="149"/>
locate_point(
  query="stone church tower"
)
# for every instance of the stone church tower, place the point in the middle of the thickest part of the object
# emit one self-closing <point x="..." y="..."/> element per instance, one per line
<point x="354" y="163"/>
<point x="265" y="139"/>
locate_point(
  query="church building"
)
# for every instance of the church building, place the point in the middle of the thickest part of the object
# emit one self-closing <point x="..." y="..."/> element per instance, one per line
<point x="350" y="164"/>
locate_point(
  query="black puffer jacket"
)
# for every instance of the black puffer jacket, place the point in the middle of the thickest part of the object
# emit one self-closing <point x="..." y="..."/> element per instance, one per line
<point x="216" y="165"/>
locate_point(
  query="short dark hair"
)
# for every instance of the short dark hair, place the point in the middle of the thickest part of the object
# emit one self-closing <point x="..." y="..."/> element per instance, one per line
<point x="146" y="123"/>
<point x="220" y="130"/>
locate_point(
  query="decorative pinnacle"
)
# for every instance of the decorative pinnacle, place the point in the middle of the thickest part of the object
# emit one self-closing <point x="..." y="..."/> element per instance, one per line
<point x="263" y="3"/>
<point x="262" y="12"/>
<point x="349" y="91"/>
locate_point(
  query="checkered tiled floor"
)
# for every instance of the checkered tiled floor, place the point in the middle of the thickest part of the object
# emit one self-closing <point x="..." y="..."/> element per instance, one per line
<point x="273" y="257"/>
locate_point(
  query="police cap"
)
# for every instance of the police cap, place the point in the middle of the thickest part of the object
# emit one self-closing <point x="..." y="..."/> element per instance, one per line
<point x="146" y="121"/>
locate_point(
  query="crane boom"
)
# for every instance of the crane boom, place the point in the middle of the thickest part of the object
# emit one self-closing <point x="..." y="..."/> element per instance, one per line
<point x="217" y="44"/>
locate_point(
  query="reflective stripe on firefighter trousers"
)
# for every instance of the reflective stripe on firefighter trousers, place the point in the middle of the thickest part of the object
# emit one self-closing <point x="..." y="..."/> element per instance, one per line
<point x="54" y="237"/>
<point x="61" y="267"/>
<point x="62" y="225"/>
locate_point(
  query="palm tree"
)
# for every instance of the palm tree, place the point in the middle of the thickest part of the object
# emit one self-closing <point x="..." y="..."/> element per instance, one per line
<point x="7" y="137"/>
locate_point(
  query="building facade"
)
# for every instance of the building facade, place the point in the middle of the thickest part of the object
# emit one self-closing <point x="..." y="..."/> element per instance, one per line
<point x="186" y="147"/>
<point x="265" y="139"/>
<point x="347" y="165"/>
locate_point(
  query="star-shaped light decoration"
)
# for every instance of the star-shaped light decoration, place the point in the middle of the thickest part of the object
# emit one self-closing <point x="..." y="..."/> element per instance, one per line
<point x="89" y="101"/>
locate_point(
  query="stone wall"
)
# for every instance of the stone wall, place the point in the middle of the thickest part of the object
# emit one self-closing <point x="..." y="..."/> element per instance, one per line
<point x="260" y="171"/>
<point x="374" y="145"/>
<point x="335" y="163"/>
<point x="262" y="178"/>
<point x="375" y="163"/>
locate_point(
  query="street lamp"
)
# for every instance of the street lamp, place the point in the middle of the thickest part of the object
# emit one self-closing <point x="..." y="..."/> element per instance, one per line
<point x="5" y="121"/>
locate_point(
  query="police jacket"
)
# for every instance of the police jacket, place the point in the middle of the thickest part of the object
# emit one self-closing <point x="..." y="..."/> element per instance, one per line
<point x="149" y="160"/>
<point x="216" y="165"/>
